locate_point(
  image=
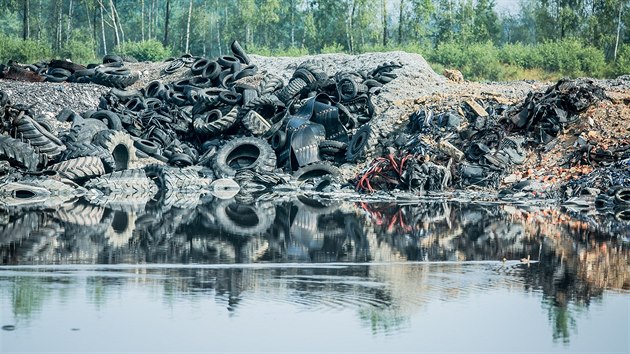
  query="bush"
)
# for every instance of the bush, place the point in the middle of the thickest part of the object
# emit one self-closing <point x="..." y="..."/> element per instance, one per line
<point x="333" y="48"/>
<point x="150" y="50"/>
<point x="622" y="65"/>
<point x="80" y="49"/>
<point x="23" y="51"/>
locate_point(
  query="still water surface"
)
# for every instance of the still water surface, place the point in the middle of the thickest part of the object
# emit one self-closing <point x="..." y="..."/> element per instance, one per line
<point x="305" y="277"/>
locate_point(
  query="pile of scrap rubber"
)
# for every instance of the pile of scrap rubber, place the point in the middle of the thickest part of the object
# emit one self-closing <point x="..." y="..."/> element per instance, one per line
<point x="111" y="72"/>
<point x="224" y="123"/>
<point x="477" y="144"/>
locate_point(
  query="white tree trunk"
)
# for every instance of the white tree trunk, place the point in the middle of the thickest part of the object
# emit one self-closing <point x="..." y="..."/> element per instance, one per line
<point x="188" y="26"/>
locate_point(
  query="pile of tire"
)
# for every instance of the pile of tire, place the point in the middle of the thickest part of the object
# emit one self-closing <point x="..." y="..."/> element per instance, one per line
<point x="220" y="121"/>
<point x="111" y="72"/>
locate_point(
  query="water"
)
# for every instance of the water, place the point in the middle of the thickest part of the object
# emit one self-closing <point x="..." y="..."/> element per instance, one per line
<point x="310" y="277"/>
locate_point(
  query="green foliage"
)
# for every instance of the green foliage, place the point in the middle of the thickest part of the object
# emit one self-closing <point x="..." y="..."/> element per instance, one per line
<point x="28" y="51"/>
<point x="80" y="49"/>
<point x="622" y="65"/>
<point x="150" y="50"/>
<point x="333" y="48"/>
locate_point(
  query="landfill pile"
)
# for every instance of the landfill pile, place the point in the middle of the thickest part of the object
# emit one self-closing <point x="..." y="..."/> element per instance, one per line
<point x="224" y="126"/>
<point x="219" y="125"/>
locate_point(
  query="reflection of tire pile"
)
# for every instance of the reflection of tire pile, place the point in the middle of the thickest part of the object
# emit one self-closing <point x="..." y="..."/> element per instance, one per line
<point x="25" y="236"/>
<point x="311" y="233"/>
<point x="223" y="119"/>
<point x="110" y="73"/>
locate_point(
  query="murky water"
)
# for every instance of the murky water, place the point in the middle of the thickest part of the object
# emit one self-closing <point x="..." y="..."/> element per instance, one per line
<point x="310" y="277"/>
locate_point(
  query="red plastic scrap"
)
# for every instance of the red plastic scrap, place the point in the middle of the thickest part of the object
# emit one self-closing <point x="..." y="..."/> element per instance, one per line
<point x="382" y="173"/>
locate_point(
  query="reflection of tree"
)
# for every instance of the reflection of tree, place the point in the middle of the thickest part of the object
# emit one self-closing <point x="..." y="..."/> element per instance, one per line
<point x="28" y="296"/>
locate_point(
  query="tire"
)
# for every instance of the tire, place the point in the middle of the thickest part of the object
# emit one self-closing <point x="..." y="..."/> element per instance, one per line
<point x="211" y="71"/>
<point x="155" y="89"/>
<point x="244" y="220"/>
<point x="112" y="58"/>
<point x="264" y="106"/>
<point x="146" y="146"/>
<point x="38" y="137"/>
<point x="622" y="196"/>
<point x="14" y="194"/>
<point x="83" y="149"/>
<point x="80" y="168"/>
<point x="270" y="84"/>
<point x="294" y="87"/>
<point x="18" y="154"/>
<point x="244" y="153"/>
<point x="198" y="66"/>
<point x="316" y="170"/>
<point x="358" y="143"/>
<point x="256" y="124"/>
<point x="80" y="213"/>
<point x="181" y="160"/>
<point x="133" y="183"/>
<point x="114" y="77"/>
<point x="214" y="123"/>
<point x="85" y="130"/>
<point x="112" y="119"/>
<point x="120" y="231"/>
<point x="239" y="52"/>
<point x="181" y="180"/>
<point x="120" y="146"/>
<point x="332" y="147"/>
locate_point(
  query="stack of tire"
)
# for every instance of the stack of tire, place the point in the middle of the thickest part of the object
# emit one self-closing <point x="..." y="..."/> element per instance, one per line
<point x="221" y="119"/>
<point x="110" y="73"/>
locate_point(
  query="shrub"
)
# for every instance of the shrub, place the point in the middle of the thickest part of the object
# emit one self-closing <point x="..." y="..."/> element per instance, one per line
<point x="622" y="65"/>
<point x="80" y="49"/>
<point x="333" y="48"/>
<point x="23" y="51"/>
<point x="150" y="50"/>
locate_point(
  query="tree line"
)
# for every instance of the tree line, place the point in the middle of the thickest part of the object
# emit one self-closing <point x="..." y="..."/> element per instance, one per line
<point x="205" y="27"/>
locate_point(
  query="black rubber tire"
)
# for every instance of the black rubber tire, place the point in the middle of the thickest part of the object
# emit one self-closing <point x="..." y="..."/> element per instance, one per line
<point x="358" y="143"/>
<point x="114" y="77"/>
<point x="120" y="146"/>
<point x="83" y="149"/>
<point x="270" y="84"/>
<point x="80" y="168"/>
<point x="19" y="154"/>
<point x="278" y="140"/>
<point x="112" y="58"/>
<point x="332" y="147"/>
<point x="294" y="87"/>
<point x="110" y="118"/>
<point x="214" y="122"/>
<point x="244" y="153"/>
<point x="239" y="52"/>
<point x="181" y="160"/>
<point x="146" y="146"/>
<point x="212" y="70"/>
<point x="229" y="98"/>
<point x="316" y="170"/>
<point x="37" y="136"/>
<point x="129" y="184"/>
<point x="229" y="62"/>
<point x="199" y="65"/>
<point x="173" y="179"/>
<point x="155" y="89"/>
